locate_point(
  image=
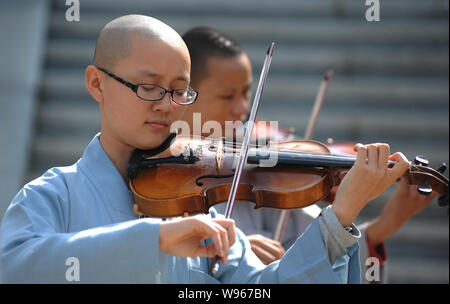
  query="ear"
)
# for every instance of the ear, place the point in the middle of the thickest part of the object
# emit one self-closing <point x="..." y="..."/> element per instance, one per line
<point x="93" y="83"/>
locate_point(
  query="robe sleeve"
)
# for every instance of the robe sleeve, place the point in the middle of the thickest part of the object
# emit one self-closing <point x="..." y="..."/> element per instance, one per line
<point x="35" y="247"/>
<point x="306" y="261"/>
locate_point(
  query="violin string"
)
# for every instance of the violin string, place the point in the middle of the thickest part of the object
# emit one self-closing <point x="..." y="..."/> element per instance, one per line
<point x="236" y="145"/>
<point x="229" y="144"/>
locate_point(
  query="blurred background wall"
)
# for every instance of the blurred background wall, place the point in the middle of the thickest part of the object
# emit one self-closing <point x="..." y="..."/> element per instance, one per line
<point x="390" y="85"/>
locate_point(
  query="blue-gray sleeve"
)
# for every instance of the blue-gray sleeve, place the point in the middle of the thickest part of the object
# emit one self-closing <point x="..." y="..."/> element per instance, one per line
<point x="306" y="261"/>
<point x="35" y="249"/>
<point x="335" y="237"/>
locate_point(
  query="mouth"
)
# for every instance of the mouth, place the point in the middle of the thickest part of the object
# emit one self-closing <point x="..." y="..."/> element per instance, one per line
<point x="159" y="125"/>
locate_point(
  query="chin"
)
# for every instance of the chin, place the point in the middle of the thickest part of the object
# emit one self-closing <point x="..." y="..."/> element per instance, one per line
<point x="151" y="142"/>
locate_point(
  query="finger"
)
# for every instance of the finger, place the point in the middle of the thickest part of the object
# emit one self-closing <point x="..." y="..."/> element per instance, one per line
<point x="383" y="156"/>
<point x="275" y="249"/>
<point x="230" y="226"/>
<point x="205" y="251"/>
<point x="270" y="246"/>
<point x="357" y="146"/>
<point x="212" y="232"/>
<point x="361" y="157"/>
<point x="263" y="255"/>
<point x="372" y="155"/>
<point x="223" y="236"/>
<point x="400" y="167"/>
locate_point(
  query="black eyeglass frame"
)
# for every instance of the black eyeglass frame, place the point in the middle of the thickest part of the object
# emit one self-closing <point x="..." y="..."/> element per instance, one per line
<point x="135" y="87"/>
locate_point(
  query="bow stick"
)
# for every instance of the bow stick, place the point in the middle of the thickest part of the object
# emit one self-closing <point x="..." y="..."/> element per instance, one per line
<point x="242" y="158"/>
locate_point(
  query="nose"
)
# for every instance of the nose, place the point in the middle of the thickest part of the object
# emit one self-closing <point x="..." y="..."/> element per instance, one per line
<point x="164" y="105"/>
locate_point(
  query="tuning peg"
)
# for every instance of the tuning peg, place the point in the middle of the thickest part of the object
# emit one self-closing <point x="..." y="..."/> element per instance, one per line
<point x="442" y="168"/>
<point x="421" y="160"/>
<point x="425" y="188"/>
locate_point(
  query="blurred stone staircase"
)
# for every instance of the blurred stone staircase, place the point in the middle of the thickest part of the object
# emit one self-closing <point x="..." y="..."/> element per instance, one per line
<point x="390" y="85"/>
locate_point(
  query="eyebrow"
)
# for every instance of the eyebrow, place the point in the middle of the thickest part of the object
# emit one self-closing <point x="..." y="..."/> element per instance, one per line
<point x="149" y="73"/>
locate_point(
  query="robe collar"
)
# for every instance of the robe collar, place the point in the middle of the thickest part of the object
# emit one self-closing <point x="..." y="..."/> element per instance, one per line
<point x="104" y="175"/>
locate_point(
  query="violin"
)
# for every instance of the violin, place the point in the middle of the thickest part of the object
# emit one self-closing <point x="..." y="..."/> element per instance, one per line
<point x="190" y="175"/>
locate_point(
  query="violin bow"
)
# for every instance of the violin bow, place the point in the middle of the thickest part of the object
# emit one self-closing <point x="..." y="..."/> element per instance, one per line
<point x="284" y="216"/>
<point x="242" y="158"/>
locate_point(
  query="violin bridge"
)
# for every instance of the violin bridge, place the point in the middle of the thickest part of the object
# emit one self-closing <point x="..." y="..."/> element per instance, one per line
<point x="219" y="155"/>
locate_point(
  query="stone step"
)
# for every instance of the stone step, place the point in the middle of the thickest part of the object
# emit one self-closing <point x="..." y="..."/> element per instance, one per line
<point x="362" y="90"/>
<point x="420" y="270"/>
<point x="296" y="59"/>
<point x="426" y="91"/>
<point x="52" y="151"/>
<point x="63" y="118"/>
<point x="281" y="30"/>
<point x="356" y="61"/>
<point x="85" y="115"/>
<point x="362" y="122"/>
<point x="268" y="8"/>
<point x="427" y="228"/>
<point x="431" y="214"/>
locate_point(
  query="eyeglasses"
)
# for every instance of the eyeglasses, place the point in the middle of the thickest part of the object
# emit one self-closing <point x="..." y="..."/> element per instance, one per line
<point x="152" y="92"/>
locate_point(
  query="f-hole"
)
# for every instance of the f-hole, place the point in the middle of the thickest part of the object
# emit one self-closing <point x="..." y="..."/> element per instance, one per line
<point x="199" y="183"/>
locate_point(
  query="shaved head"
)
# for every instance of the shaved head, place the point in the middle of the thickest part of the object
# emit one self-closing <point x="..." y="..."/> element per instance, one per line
<point x="115" y="41"/>
<point x="140" y="50"/>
